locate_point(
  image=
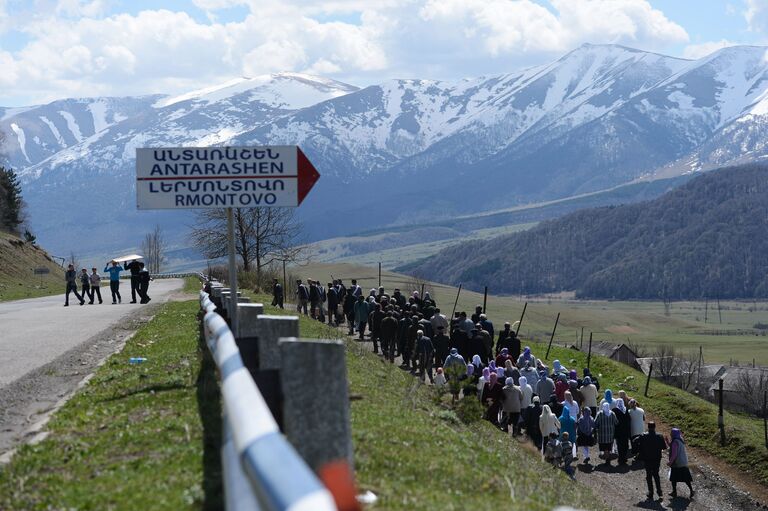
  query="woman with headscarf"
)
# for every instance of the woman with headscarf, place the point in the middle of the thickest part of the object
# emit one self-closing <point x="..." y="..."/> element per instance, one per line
<point x="548" y="422"/>
<point x="558" y="368"/>
<point x="485" y="378"/>
<point x="502" y="376"/>
<point x="567" y="423"/>
<point x="478" y="364"/>
<point x="561" y="385"/>
<point x="608" y="398"/>
<point x="572" y="405"/>
<point x="491" y="398"/>
<point x="589" y="394"/>
<point x="678" y="463"/>
<point x="585" y="433"/>
<point x="527" y="391"/>
<point x="573" y="375"/>
<point x="530" y="374"/>
<point x="586" y="372"/>
<point x="502" y="357"/>
<point x="525" y="356"/>
<point x="512" y="406"/>
<point x="605" y="424"/>
<point x="622" y="431"/>
<point x="533" y="414"/>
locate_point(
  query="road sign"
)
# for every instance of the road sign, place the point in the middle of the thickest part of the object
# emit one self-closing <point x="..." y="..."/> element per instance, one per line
<point x="42" y="271"/>
<point x="222" y="177"/>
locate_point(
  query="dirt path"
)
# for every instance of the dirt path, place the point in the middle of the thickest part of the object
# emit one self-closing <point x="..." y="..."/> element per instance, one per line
<point x="718" y="486"/>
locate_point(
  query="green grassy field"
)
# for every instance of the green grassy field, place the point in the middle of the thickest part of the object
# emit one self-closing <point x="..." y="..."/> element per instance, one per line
<point x="643" y="322"/>
<point x="363" y="250"/>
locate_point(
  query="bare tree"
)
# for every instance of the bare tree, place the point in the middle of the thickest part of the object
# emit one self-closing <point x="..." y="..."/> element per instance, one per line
<point x="665" y="363"/>
<point x="688" y="369"/>
<point x="154" y="247"/>
<point x="262" y="236"/>
<point x="751" y="387"/>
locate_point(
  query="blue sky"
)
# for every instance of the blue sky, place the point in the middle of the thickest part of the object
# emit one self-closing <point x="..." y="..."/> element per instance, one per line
<point x="52" y="49"/>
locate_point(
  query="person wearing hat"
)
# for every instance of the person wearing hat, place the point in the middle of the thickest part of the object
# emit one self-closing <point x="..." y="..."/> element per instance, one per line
<point x="651" y="446"/>
<point x="114" y="280"/>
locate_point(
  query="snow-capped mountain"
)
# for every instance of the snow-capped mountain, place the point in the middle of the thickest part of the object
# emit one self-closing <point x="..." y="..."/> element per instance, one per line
<point x="598" y="117"/>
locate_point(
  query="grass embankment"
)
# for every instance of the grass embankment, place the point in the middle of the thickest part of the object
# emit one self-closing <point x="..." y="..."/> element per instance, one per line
<point x="136" y="436"/>
<point x="18" y="260"/>
<point x="414" y="453"/>
<point x="745" y="447"/>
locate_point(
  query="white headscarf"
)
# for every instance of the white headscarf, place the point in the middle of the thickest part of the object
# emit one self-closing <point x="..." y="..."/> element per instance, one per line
<point x="523" y="382"/>
<point x="620" y="405"/>
<point x="606" y="409"/>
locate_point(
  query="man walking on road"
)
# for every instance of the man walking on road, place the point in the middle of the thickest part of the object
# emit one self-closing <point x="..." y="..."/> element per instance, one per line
<point x="95" y="285"/>
<point x="144" y="278"/>
<point x="114" y="281"/>
<point x="71" y="277"/>
<point x="135" y="268"/>
<point x="85" y="285"/>
<point x="651" y="446"/>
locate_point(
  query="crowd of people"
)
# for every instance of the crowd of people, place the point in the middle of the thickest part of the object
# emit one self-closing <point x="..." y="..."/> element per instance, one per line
<point x="90" y="283"/>
<point x="562" y="412"/>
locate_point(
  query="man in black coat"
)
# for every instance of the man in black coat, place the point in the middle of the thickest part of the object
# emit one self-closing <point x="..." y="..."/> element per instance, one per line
<point x="651" y="446"/>
<point x="388" y="336"/>
<point x="135" y="268"/>
<point x="333" y="304"/>
<point x="277" y="293"/>
<point x="442" y="346"/>
<point x="144" y="278"/>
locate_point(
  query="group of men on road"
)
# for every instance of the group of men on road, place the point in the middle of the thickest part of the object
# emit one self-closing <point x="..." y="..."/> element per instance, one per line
<point x="557" y="409"/>
<point x="90" y="284"/>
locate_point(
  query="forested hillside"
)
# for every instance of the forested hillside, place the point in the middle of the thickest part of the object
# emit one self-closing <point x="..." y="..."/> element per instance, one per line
<point x="707" y="238"/>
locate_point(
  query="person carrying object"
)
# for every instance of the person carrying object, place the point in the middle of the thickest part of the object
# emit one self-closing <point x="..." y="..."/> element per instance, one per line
<point x="134" y="267"/>
<point x="114" y="280"/>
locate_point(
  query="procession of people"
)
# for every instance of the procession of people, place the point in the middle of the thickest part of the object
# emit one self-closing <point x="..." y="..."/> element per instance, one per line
<point x="90" y="283"/>
<point x="563" y="413"/>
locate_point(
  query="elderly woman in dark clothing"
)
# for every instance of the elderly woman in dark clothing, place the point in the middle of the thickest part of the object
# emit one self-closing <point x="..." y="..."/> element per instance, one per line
<point x="678" y="463"/>
<point x="622" y="432"/>
<point x="491" y="397"/>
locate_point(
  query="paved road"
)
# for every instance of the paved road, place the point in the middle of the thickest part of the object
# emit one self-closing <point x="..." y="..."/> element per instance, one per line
<point x="36" y="331"/>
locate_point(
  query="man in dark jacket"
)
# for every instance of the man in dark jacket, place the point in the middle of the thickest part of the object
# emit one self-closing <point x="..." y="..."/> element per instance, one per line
<point x="333" y="304"/>
<point x="302" y="297"/>
<point x="487" y="325"/>
<point x="503" y="342"/>
<point x="398" y="298"/>
<point x="375" y="321"/>
<point x="442" y="346"/>
<point x="532" y="422"/>
<point x="388" y="336"/>
<point x="70" y="276"/>
<point x="135" y="268"/>
<point x="651" y="446"/>
<point x="349" y="311"/>
<point x="277" y="293"/>
<point x="476" y="315"/>
<point x="144" y="278"/>
<point x="424" y="353"/>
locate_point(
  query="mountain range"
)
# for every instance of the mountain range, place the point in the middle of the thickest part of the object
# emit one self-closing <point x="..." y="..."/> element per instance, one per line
<point x="402" y="151"/>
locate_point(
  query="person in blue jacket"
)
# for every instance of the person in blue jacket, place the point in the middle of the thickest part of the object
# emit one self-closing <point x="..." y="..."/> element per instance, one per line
<point x="114" y="281"/>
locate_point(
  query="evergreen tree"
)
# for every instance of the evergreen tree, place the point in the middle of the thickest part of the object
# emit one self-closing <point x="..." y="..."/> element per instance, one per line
<point x="11" y="203"/>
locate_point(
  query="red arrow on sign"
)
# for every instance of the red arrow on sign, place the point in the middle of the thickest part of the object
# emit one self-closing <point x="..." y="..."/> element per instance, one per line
<point x="307" y="173"/>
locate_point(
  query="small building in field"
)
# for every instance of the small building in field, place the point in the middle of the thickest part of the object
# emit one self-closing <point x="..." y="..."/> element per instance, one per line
<point x="618" y="352"/>
<point x="743" y="388"/>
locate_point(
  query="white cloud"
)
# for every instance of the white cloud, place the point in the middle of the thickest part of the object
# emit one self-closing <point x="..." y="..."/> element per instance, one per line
<point x="516" y="26"/>
<point x="757" y="15"/>
<point x="76" y="50"/>
<point x="697" y="51"/>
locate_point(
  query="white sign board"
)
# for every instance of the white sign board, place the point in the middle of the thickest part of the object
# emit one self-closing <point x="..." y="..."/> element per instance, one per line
<point x="222" y="177"/>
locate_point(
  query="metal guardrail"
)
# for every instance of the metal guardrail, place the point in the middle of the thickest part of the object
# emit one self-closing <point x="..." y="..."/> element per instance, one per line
<point x="254" y="451"/>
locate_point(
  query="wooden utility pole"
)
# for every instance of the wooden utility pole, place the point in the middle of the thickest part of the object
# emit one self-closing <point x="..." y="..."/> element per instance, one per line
<point x="581" y="345"/>
<point x="589" y="353"/>
<point x="485" y="298"/>
<point x="720" y="315"/>
<point x="706" y="309"/>
<point x="701" y="360"/>
<point x="379" y="273"/>
<point x="648" y="380"/>
<point x="455" y="303"/>
<point x="521" y="319"/>
<point x="552" y="337"/>
<point x="720" y="421"/>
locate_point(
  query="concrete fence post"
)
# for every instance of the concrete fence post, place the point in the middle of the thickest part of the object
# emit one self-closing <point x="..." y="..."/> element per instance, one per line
<point x="316" y="400"/>
<point x="269" y="331"/>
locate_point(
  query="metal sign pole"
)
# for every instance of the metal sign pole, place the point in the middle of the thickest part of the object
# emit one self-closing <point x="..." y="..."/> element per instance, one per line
<point x="232" y="270"/>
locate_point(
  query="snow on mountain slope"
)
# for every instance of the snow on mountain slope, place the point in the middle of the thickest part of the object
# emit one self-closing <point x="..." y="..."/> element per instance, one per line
<point x="600" y="116"/>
